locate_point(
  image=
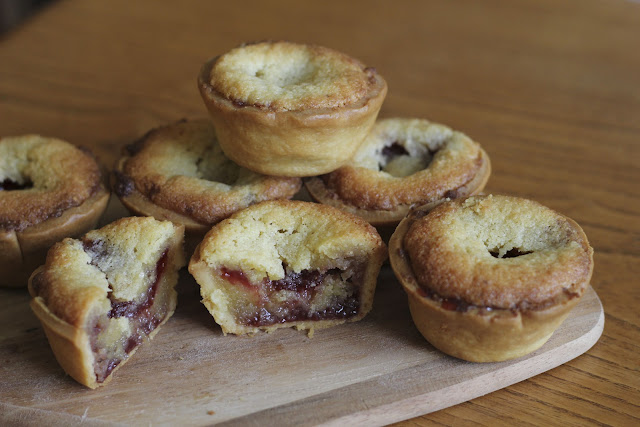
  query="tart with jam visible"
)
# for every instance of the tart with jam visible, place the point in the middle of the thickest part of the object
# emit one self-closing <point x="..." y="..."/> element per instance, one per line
<point x="403" y="163"/>
<point x="490" y="278"/>
<point x="282" y="264"/>
<point x="49" y="190"/>
<point x="289" y="109"/>
<point x="102" y="296"/>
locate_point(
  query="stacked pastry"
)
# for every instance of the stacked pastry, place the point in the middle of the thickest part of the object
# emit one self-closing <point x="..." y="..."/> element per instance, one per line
<point x="289" y="110"/>
<point x="488" y="278"/>
<point x="500" y="274"/>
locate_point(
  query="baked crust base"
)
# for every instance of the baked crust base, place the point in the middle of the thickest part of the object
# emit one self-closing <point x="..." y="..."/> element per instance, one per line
<point x="71" y="345"/>
<point x="290" y="143"/>
<point x="21" y="252"/>
<point x="479" y="334"/>
<point x="70" y="337"/>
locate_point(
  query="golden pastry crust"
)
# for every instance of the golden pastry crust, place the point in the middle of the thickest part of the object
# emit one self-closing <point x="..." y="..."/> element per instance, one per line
<point x="285" y="76"/>
<point x="288" y="263"/>
<point x="100" y="297"/>
<point x="50" y="189"/>
<point x="289" y="109"/>
<point x="490" y="278"/>
<point x="402" y="163"/>
<point x="178" y="172"/>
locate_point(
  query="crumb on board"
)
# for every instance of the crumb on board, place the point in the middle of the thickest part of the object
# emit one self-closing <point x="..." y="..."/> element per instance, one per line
<point x="210" y="412"/>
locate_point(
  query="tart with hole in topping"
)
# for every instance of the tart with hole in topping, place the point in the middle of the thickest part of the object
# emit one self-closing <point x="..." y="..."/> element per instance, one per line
<point x="490" y="278"/>
<point x="102" y="296"/>
<point x="284" y="263"/>
<point x="49" y="190"/>
<point x="288" y="109"/>
<point x="402" y="163"/>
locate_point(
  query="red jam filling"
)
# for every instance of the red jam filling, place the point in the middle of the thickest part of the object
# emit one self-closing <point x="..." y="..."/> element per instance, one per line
<point x="457" y="304"/>
<point x="123" y="184"/>
<point x="511" y="253"/>
<point x="10" y="185"/>
<point x="139" y="313"/>
<point x="236" y="277"/>
<point x="394" y="150"/>
<point x="452" y="304"/>
<point x="306" y="284"/>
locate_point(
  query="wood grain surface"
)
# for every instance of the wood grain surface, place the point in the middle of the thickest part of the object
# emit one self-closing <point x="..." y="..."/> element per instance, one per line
<point x="551" y="89"/>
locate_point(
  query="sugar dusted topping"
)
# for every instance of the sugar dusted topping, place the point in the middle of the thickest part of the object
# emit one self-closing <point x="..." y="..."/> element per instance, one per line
<point x="283" y="76"/>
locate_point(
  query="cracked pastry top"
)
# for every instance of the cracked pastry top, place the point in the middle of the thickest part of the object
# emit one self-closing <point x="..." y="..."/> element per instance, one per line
<point x="490" y="277"/>
<point x="49" y="189"/>
<point x="290" y="77"/>
<point x="178" y="172"/>
<point x="402" y="163"/>
<point x="100" y="297"/>
<point x="287" y="263"/>
<point x="290" y="109"/>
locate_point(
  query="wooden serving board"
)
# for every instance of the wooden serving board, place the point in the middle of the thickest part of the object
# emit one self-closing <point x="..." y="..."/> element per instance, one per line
<point x="372" y="372"/>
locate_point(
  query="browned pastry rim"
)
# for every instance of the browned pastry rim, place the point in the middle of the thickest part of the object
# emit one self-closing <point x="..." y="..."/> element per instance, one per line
<point x="384" y="199"/>
<point x="283" y="76"/>
<point x="309" y="141"/>
<point x="55" y="174"/>
<point x="178" y="173"/>
<point x="493" y="316"/>
<point x="21" y="252"/>
<point x="65" y="196"/>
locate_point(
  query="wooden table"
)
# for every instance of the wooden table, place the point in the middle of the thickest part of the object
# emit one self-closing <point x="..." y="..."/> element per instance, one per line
<point x="550" y="89"/>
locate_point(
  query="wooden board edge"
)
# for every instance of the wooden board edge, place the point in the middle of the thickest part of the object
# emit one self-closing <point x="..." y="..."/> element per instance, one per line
<point x="13" y="415"/>
<point x="450" y="396"/>
<point x="324" y="408"/>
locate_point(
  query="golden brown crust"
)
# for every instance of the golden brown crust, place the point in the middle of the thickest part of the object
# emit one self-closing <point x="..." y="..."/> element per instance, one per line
<point x="61" y="176"/>
<point x="477" y="306"/>
<point x="178" y="172"/>
<point x="33" y="219"/>
<point x="304" y="142"/>
<point x="285" y="76"/>
<point x="436" y="164"/>
<point x="451" y="252"/>
<point x="267" y="240"/>
<point x="75" y="292"/>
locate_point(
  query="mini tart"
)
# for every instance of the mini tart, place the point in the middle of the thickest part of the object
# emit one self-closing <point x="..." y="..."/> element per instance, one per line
<point x="99" y="298"/>
<point x="49" y="190"/>
<point x="179" y="173"/>
<point x="290" y="109"/>
<point x="286" y="263"/>
<point x="402" y="163"/>
<point x="490" y="278"/>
